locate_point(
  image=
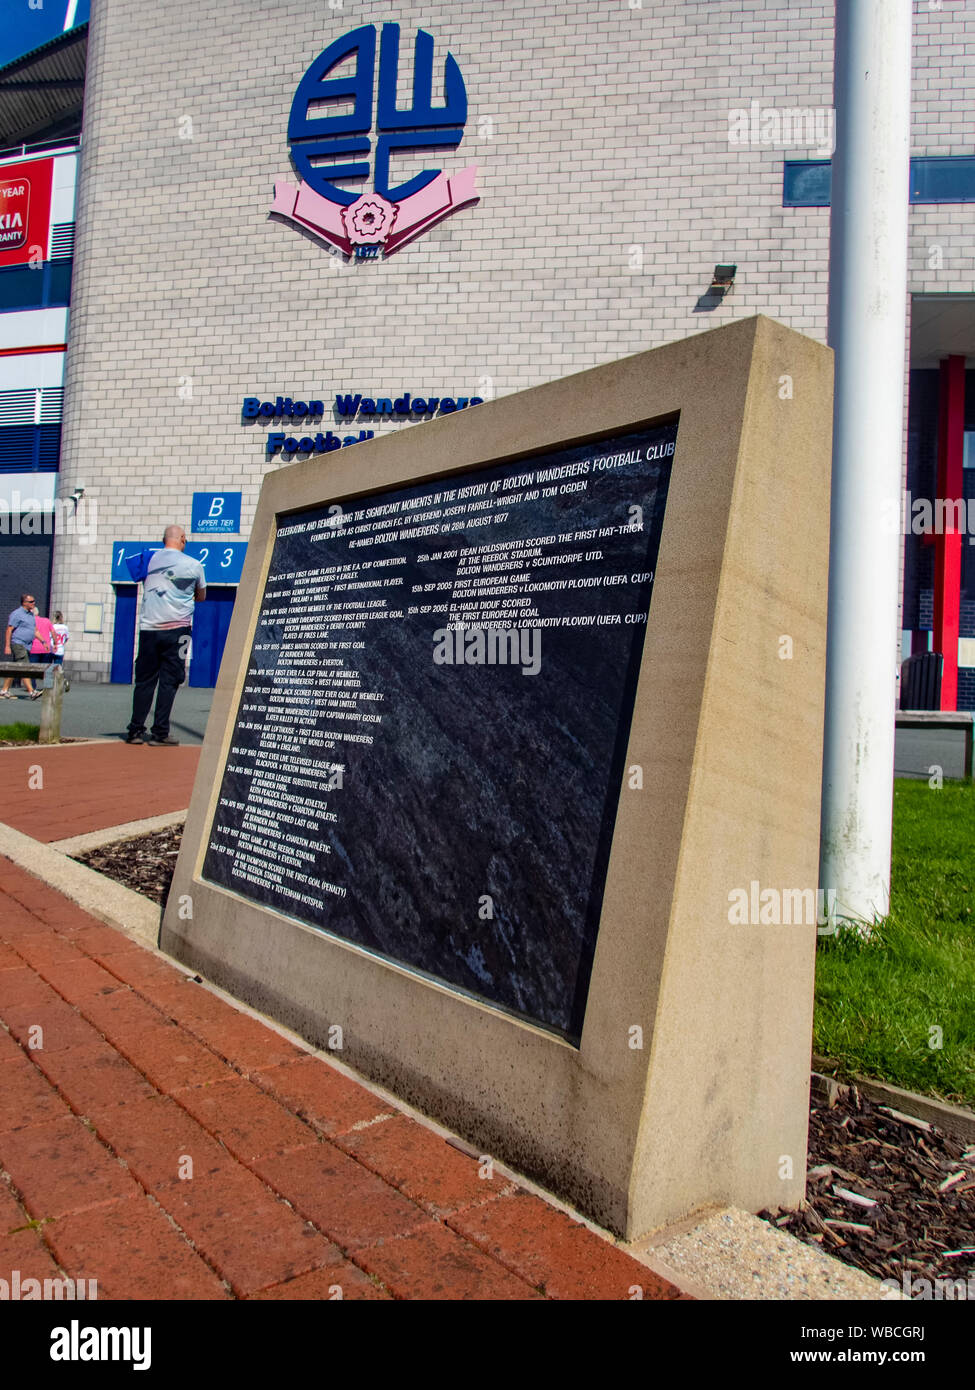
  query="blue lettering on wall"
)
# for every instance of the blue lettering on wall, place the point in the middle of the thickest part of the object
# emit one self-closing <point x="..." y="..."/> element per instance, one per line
<point x="222" y="561"/>
<point x="348" y="405"/>
<point x="283" y="408"/>
<point x="321" y="444"/>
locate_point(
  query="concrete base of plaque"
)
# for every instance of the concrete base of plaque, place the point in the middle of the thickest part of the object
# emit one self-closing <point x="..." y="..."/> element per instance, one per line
<point x="568" y="910"/>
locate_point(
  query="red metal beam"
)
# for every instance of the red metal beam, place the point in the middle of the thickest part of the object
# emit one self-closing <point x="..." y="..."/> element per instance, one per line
<point x="28" y="351"/>
<point x="948" y="535"/>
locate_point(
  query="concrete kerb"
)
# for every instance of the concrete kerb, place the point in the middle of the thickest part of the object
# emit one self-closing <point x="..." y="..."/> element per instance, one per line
<point x="101" y="897"/>
<point x="739" y="1256"/>
<point x="67" y="742"/>
<point x="131" y="830"/>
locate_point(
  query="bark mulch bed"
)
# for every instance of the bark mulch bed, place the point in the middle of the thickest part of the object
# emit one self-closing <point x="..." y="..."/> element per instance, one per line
<point x="145" y="864"/>
<point x="887" y="1193"/>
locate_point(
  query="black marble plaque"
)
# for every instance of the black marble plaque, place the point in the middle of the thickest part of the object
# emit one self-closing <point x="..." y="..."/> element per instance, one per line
<point x="429" y="749"/>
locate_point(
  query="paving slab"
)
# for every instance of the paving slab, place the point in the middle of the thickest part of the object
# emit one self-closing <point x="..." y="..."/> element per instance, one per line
<point x="739" y="1256"/>
<point x="95" y="710"/>
<point x="71" y="789"/>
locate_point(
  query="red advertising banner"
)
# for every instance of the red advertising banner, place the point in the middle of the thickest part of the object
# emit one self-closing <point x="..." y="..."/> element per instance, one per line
<point x="25" y="211"/>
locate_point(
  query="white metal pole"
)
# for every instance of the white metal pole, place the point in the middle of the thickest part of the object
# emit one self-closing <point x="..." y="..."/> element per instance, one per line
<point x="867" y="326"/>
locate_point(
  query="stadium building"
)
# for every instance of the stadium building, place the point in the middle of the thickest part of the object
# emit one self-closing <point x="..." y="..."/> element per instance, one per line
<point x="299" y="225"/>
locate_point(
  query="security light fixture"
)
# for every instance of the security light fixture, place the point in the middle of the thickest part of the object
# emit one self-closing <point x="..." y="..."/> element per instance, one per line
<point x="724" y="277"/>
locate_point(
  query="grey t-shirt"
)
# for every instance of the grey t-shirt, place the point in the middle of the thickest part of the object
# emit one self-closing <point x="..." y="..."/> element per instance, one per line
<point x="24" y="626"/>
<point x="170" y="589"/>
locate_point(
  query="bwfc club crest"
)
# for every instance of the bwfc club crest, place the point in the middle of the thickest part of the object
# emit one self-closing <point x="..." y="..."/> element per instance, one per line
<point x="327" y="145"/>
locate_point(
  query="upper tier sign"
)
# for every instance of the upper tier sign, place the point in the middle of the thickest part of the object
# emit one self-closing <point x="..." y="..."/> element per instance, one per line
<point x="331" y="145"/>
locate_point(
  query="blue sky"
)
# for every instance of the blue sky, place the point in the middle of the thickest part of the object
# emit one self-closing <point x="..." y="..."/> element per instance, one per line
<point x="26" y="24"/>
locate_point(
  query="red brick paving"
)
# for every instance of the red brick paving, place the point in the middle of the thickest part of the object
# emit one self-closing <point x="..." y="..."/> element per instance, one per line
<point x="351" y="1205"/>
<point x="305" y="1184"/>
<point x="59" y="1166"/>
<point x="434" y="1263"/>
<point x="26" y="1253"/>
<point x="223" y="1029"/>
<point x="553" y="1252"/>
<point x="26" y="1096"/>
<point x="325" y="1098"/>
<point x="49" y="1027"/>
<point x="9" y="959"/>
<point x="24" y="987"/>
<point x="92" y="786"/>
<point x="81" y="979"/>
<point x="252" y="1240"/>
<point x="421" y="1164"/>
<point x="155" y="1136"/>
<point x="339" y="1281"/>
<point x="93" y="1078"/>
<point x="41" y="949"/>
<point x="249" y="1123"/>
<point x="11" y="1212"/>
<point x="132" y="1250"/>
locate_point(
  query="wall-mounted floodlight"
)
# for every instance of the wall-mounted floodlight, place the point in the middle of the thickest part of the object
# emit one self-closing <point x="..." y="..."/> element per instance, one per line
<point x="723" y="278"/>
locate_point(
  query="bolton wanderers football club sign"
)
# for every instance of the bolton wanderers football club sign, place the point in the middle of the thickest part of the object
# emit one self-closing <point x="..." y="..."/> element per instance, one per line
<point x="329" y="145"/>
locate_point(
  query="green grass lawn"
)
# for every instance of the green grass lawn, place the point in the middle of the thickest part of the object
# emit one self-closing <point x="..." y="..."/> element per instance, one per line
<point x="879" y="1003"/>
<point x="20" y="732"/>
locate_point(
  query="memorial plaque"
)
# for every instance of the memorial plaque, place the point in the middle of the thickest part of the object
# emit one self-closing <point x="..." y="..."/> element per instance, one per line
<point x="504" y="725"/>
<point x="429" y="746"/>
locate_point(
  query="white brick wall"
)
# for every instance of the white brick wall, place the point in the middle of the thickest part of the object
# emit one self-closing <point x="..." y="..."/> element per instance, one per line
<point x="610" y="130"/>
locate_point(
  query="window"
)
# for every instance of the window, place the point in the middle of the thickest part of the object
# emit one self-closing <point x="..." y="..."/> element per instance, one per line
<point x="41" y="287"/>
<point x="806" y="182"/>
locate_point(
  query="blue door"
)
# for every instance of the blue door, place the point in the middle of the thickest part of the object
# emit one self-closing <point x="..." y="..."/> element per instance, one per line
<point x="211" y="622"/>
<point x="123" y="639"/>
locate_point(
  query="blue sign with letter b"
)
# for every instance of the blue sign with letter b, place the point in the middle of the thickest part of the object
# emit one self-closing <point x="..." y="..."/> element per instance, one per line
<point x="216" y="513"/>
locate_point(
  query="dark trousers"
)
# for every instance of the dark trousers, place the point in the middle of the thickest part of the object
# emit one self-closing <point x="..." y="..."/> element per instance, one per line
<point x="162" y="659"/>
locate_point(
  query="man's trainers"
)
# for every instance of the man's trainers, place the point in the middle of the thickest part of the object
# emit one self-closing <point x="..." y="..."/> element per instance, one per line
<point x="139" y="737"/>
<point x="162" y="742"/>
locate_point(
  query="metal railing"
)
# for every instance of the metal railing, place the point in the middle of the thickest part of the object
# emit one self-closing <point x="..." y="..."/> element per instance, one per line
<point x="20" y="151"/>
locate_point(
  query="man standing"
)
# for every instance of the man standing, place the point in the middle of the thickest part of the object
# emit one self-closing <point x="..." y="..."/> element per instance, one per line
<point x="173" y="584"/>
<point x="21" y="631"/>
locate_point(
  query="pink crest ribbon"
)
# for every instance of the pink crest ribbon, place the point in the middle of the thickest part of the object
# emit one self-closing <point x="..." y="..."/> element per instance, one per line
<point x="446" y="194"/>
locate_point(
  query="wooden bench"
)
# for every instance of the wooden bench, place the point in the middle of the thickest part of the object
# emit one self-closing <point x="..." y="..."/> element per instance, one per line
<point x="51" y="678"/>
